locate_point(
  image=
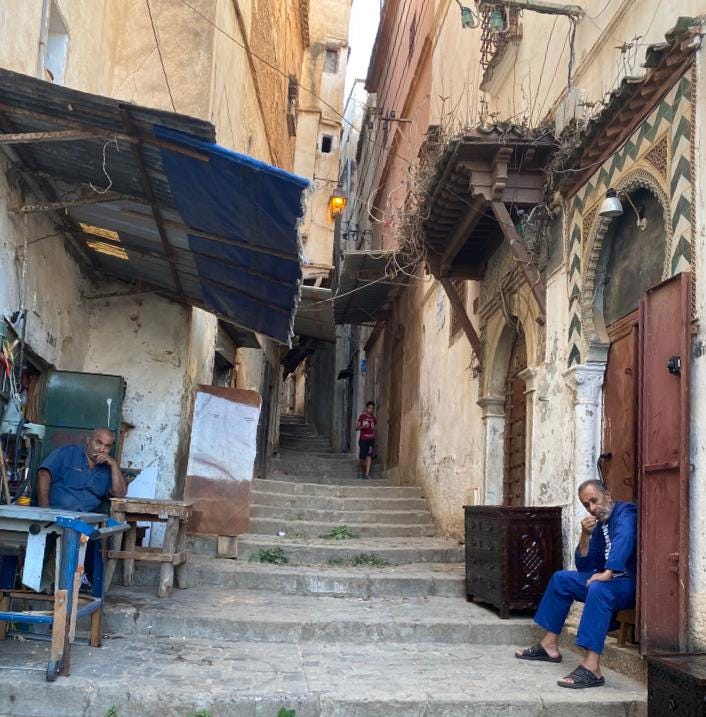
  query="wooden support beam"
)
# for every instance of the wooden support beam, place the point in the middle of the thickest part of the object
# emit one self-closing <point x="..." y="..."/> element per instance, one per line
<point x="522" y="256"/>
<point x="466" y="323"/>
<point x="62" y="135"/>
<point x="68" y="203"/>
<point x="460" y="235"/>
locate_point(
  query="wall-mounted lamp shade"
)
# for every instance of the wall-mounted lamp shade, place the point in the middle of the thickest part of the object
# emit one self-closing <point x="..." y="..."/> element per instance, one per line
<point x="337" y="202"/>
<point x="611" y="206"/>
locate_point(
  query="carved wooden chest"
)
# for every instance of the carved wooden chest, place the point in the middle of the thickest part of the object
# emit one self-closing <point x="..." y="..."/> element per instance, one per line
<point x="676" y="685"/>
<point x="511" y="553"/>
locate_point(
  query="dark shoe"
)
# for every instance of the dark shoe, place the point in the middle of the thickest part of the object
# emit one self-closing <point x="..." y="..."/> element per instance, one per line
<point x="582" y="678"/>
<point x="538" y="654"/>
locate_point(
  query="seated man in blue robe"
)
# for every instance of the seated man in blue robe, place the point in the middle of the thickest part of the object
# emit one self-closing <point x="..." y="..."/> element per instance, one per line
<point x="606" y="559"/>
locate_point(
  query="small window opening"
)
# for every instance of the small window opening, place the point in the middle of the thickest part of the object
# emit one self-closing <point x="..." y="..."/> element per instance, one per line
<point x="331" y="60"/>
<point x="327" y="143"/>
<point x="56" y="48"/>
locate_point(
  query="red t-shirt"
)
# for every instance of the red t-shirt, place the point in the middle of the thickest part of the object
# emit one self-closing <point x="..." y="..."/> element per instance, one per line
<point x="368" y="422"/>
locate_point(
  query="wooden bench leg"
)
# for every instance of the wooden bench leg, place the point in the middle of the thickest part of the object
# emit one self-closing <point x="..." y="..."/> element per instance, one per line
<point x="166" y="573"/>
<point x="182" y="570"/>
<point x="58" y="635"/>
<point x="96" y="620"/>
<point x="4" y="607"/>
<point x="129" y="563"/>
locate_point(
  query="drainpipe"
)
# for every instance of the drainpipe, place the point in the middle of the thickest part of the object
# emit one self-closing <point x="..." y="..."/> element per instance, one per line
<point x="43" y="38"/>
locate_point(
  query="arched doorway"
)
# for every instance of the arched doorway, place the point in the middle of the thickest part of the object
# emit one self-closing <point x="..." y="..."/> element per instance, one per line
<point x="631" y="262"/>
<point x="515" y="437"/>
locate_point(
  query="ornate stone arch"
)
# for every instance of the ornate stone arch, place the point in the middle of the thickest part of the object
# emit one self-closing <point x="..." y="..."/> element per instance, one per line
<point x="594" y="332"/>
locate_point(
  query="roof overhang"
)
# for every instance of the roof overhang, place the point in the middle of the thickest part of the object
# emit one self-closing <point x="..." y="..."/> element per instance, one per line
<point x="501" y="163"/>
<point x="314" y="315"/>
<point x="368" y="281"/>
<point x="631" y="102"/>
<point x="149" y="198"/>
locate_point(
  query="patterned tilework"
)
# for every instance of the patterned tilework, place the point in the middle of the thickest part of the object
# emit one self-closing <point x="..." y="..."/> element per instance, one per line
<point x="660" y="149"/>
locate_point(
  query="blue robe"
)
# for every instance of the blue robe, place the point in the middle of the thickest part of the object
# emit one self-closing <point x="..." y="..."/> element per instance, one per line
<point x="603" y="599"/>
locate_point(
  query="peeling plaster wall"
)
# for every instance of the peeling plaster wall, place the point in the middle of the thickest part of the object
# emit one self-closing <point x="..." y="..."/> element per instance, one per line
<point x="56" y="319"/>
<point x="145" y="340"/>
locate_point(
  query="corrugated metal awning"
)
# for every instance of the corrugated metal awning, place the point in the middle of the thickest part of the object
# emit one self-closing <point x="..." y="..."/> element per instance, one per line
<point x="149" y="198"/>
<point x="366" y="283"/>
<point x="314" y="315"/>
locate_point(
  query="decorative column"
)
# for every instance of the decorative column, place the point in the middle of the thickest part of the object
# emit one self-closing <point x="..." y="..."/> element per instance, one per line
<point x="493" y="417"/>
<point x="586" y="382"/>
<point x="529" y="376"/>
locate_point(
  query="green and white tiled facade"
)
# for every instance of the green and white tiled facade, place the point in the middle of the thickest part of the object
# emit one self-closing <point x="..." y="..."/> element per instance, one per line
<point x="658" y="156"/>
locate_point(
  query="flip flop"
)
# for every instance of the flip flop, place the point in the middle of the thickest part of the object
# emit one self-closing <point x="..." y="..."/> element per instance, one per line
<point x="582" y="678"/>
<point x="538" y="654"/>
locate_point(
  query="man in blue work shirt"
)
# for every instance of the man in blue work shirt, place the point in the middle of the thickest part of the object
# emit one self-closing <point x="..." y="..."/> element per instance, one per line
<point x="606" y="559"/>
<point x="79" y="478"/>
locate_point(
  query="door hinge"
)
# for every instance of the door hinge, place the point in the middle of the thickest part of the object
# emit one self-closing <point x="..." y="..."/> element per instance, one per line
<point x="673" y="561"/>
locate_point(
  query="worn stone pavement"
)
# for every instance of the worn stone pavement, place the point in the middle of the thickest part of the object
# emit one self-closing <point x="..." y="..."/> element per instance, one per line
<point x="316" y="635"/>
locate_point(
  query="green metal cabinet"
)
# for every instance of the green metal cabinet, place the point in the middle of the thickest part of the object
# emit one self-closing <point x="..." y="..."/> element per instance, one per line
<point x="72" y="404"/>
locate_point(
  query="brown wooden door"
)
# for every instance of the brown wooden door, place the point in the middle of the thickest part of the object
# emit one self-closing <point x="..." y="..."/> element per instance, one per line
<point x="618" y="459"/>
<point x="515" y="426"/>
<point x="665" y="349"/>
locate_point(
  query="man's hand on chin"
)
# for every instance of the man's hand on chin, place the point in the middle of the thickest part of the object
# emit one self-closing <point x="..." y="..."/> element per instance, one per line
<point x="602" y="577"/>
<point x="104" y="458"/>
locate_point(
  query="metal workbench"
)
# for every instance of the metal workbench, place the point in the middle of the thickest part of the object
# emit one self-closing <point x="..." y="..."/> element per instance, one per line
<point x="30" y="529"/>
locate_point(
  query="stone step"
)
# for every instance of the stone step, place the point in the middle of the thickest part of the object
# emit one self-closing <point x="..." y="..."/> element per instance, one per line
<point x="287" y="500"/>
<point x="340" y="517"/>
<point x="166" y="676"/>
<point x="394" y="551"/>
<point x="307" y="448"/>
<point x="265" y="616"/>
<point x="423" y="580"/>
<point x="327" y="477"/>
<point x="372" y="489"/>
<point x="315" y="529"/>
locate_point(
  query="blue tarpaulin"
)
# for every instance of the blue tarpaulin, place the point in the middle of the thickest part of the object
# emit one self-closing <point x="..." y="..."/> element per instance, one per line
<point x="235" y="197"/>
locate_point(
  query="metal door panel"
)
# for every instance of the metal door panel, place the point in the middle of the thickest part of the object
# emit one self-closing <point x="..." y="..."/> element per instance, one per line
<point x="664" y="458"/>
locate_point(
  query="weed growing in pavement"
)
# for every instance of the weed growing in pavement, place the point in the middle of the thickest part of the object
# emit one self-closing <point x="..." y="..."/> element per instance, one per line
<point x="339" y="532"/>
<point x="112" y="712"/>
<point x="200" y="713"/>
<point x="284" y="712"/>
<point x="363" y="560"/>
<point x="269" y="555"/>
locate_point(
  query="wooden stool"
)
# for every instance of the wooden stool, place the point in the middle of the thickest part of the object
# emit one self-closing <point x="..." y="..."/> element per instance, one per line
<point x="172" y="556"/>
<point x="626" y="634"/>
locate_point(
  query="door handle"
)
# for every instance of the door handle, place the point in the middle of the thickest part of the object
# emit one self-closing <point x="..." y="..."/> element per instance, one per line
<point x="673" y="560"/>
<point x="674" y="365"/>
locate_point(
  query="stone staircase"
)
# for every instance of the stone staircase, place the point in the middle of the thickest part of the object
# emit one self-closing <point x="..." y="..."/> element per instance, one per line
<point x="373" y="625"/>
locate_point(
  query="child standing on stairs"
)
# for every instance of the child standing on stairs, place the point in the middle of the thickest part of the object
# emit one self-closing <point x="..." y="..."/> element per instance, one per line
<point x="366" y="442"/>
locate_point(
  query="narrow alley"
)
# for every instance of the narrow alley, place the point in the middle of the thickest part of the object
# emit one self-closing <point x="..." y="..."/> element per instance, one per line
<point x="363" y="626"/>
<point x="352" y="358"/>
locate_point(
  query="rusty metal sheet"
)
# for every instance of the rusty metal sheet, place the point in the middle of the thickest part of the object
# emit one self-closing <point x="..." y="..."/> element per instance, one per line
<point x="663" y="586"/>
<point x="219" y="507"/>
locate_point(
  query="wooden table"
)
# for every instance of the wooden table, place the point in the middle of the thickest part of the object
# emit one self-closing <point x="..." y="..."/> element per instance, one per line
<point x="172" y="556"/>
<point x="29" y="528"/>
